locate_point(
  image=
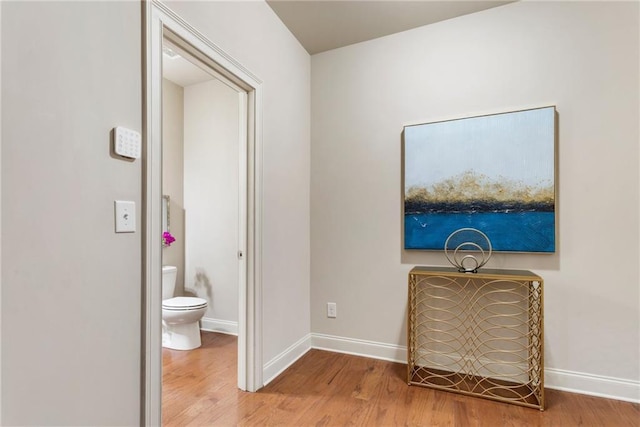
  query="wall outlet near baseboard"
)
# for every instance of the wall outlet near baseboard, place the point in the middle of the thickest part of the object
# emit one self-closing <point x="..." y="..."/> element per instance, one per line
<point x="332" y="310"/>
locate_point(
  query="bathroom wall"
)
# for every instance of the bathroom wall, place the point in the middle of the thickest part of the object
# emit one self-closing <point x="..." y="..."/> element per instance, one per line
<point x="582" y="57"/>
<point x="211" y="186"/>
<point x="172" y="174"/>
<point x="200" y="174"/>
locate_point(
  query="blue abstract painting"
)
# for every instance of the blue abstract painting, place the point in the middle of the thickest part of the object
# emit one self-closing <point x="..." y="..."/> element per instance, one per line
<point x="494" y="173"/>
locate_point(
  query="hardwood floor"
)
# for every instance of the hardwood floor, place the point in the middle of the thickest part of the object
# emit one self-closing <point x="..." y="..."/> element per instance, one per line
<point x="332" y="389"/>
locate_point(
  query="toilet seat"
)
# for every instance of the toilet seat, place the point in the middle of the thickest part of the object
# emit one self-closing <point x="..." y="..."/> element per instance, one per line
<point x="184" y="303"/>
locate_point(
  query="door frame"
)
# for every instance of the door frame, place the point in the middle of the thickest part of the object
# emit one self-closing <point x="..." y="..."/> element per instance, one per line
<point x="161" y="22"/>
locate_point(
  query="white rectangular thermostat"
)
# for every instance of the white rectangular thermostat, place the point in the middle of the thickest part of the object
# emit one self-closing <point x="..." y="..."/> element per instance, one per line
<point x="127" y="142"/>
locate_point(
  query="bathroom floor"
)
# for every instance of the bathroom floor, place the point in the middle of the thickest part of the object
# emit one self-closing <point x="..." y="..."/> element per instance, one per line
<point x="332" y="389"/>
<point x="195" y="381"/>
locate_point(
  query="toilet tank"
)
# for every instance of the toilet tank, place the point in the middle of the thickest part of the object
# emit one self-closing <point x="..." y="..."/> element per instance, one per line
<point x="169" y="275"/>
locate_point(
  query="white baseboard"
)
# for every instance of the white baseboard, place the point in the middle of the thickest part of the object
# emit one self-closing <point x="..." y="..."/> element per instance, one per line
<point x="217" y="325"/>
<point x="557" y="379"/>
<point x="278" y="364"/>
<point x="376" y="350"/>
<point x="593" y="385"/>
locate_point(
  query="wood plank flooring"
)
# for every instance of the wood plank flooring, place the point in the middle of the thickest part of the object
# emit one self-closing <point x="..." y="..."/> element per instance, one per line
<point x="332" y="389"/>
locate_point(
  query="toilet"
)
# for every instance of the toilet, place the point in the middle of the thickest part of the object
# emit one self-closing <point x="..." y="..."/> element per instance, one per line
<point x="180" y="315"/>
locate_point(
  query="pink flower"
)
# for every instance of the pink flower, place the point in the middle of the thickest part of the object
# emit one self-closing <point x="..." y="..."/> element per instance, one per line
<point x="167" y="238"/>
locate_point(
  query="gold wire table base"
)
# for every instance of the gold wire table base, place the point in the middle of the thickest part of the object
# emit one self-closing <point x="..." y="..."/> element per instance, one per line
<point x="479" y="334"/>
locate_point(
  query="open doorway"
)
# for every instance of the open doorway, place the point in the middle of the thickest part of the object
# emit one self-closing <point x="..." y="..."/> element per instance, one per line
<point x="163" y="26"/>
<point x="202" y="167"/>
<point x="201" y="156"/>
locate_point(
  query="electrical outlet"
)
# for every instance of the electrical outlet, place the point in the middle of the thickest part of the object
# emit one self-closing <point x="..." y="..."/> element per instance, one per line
<point x="332" y="310"/>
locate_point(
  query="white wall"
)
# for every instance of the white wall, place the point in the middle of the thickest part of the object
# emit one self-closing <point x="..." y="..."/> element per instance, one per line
<point x="581" y="57"/>
<point x="71" y="287"/>
<point x="0" y="215"/>
<point x="252" y="34"/>
<point x="172" y="174"/>
<point x="211" y="186"/>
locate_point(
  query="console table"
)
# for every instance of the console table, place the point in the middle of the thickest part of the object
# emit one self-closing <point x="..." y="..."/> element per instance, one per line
<point x="478" y="334"/>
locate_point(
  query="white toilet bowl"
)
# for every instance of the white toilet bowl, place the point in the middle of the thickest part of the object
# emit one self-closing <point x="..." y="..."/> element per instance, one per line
<point x="180" y="315"/>
<point x="180" y="322"/>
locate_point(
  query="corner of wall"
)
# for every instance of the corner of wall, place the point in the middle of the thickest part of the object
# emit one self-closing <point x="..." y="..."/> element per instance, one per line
<point x="285" y="359"/>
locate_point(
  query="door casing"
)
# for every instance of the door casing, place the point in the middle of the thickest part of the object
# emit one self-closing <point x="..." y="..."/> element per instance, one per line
<point x="161" y="23"/>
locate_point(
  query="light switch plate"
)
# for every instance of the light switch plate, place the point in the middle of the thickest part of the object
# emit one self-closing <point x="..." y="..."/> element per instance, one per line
<point x="127" y="142"/>
<point x="125" y="216"/>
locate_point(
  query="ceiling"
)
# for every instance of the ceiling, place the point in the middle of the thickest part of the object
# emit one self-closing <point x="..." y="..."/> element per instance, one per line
<point x="321" y="25"/>
<point x="180" y="70"/>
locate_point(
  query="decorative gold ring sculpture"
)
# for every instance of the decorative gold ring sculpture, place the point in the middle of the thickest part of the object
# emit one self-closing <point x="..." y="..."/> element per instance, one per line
<point x="464" y="240"/>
